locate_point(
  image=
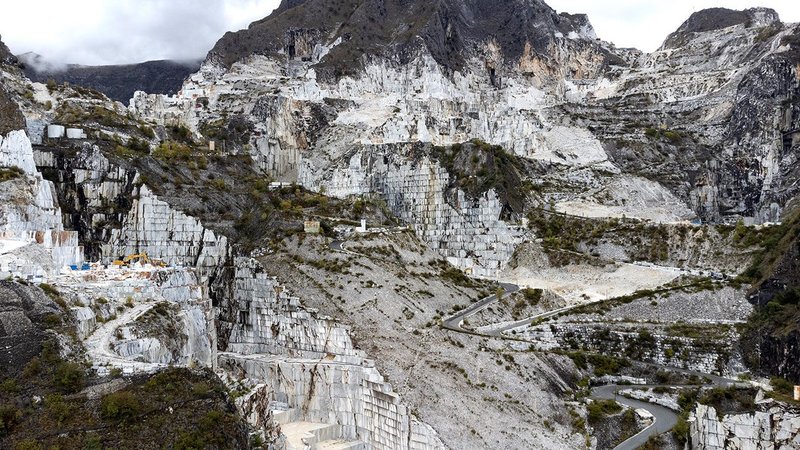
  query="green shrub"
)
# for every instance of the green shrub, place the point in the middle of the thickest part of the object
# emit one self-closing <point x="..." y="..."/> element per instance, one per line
<point x="171" y="151"/>
<point x="782" y="386"/>
<point x="181" y="133"/>
<point x="52" y="320"/>
<point x="533" y="296"/>
<point x="52" y="85"/>
<point x="681" y="430"/>
<point x="28" y="444"/>
<point x="9" y="417"/>
<point x="9" y="386"/>
<point x="121" y="406"/>
<point x="69" y="377"/>
<point x="601" y="408"/>
<point x="58" y="408"/>
<point x="10" y="173"/>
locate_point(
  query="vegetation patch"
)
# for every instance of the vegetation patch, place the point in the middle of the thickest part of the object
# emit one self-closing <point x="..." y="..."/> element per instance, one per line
<point x="10" y="173"/>
<point x="176" y="408"/>
<point x="602" y="408"/>
<point x="601" y="365"/>
<point x="477" y="167"/>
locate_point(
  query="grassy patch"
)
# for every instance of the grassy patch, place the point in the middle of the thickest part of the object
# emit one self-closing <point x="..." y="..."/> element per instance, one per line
<point x="477" y="167"/>
<point x="602" y="408"/>
<point x="10" y="173"/>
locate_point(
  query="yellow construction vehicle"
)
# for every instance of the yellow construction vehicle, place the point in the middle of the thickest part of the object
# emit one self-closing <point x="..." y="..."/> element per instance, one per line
<point x="142" y="257"/>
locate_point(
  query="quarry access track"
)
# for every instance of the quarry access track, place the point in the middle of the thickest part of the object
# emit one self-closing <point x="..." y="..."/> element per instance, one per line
<point x="454" y="322"/>
<point x="664" y="419"/>
<point x="99" y="348"/>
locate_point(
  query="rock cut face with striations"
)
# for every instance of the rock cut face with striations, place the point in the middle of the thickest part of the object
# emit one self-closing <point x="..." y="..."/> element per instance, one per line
<point x="30" y="217"/>
<point x="305" y="369"/>
<point x="154" y="227"/>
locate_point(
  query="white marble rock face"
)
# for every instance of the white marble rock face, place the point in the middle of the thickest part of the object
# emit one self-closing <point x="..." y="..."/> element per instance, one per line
<point x="769" y="428"/>
<point x="309" y="367"/>
<point x="29" y="213"/>
<point x="154" y="227"/>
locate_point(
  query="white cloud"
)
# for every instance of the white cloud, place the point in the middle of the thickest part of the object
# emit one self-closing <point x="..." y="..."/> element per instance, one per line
<point x="124" y="31"/>
<point x="645" y="24"/>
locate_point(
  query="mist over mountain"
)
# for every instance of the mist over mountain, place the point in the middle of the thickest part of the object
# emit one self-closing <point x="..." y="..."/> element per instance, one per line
<point x="117" y="82"/>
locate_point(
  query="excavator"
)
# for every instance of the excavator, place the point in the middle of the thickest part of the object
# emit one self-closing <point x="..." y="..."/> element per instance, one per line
<point x="140" y="257"/>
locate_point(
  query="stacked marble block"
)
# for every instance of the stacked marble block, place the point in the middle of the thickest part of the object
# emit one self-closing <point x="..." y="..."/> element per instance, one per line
<point x="311" y="368"/>
<point x="775" y="427"/>
<point x="152" y="226"/>
<point x="352" y="396"/>
<point x="468" y="232"/>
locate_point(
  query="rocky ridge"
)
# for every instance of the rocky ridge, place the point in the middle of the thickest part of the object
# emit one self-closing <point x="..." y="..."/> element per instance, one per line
<point x="118" y="82"/>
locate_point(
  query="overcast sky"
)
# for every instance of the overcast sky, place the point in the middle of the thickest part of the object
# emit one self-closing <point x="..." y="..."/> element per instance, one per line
<point x="125" y="31"/>
<point x="645" y="24"/>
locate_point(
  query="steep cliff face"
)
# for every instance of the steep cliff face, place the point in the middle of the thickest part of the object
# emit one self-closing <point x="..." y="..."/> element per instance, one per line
<point x="30" y="216"/>
<point x="6" y="57"/>
<point x="306" y="369"/>
<point x="521" y="32"/>
<point x="772" y="339"/>
<point x="95" y="194"/>
<point x="10" y="116"/>
<point x="710" y="115"/>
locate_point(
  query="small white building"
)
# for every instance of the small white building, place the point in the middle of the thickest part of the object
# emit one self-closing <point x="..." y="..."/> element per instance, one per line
<point x="55" y="131"/>
<point x="75" y="133"/>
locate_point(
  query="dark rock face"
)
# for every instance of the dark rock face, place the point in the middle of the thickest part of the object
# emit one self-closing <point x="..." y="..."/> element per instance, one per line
<point x="92" y="220"/>
<point x="714" y="19"/>
<point x="771" y="342"/>
<point x="6" y="57"/>
<point x="23" y="311"/>
<point x="770" y="91"/>
<point x="11" y="118"/>
<point x="120" y="82"/>
<point x="451" y="30"/>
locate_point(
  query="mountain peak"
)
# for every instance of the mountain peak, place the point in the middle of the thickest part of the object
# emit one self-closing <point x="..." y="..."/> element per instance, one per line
<point x="6" y="57"/>
<point x="713" y="19"/>
<point x="450" y="30"/>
